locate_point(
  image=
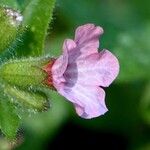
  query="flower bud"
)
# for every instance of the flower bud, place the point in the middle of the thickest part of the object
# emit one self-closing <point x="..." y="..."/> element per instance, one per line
<point x="23" y="82"/>
<point x="31" y="100"/>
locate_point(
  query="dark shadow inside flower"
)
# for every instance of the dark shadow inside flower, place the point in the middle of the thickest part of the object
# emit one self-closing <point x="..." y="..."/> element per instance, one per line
<point x="71" y="73"/>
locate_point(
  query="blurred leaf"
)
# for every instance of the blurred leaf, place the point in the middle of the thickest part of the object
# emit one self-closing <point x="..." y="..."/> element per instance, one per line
<point x="145" y="104"/>
<point x="133" y="50"/>
<point x="37" y="16"/>
<point x="9" y="121"/>
<point x="143" y="146"/>
<point x="97" y="11"/>
<point x="15" y="4"/>
<point x="9" y="3"/>
<point x="4" y="144"/>
<point x="53" y="46"/>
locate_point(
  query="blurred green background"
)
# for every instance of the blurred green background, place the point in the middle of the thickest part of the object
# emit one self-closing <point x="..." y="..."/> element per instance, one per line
<point x="126" y="126"/>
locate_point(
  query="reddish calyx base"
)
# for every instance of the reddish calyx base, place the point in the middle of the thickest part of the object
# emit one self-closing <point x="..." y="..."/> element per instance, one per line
<point x="47" y="68"/>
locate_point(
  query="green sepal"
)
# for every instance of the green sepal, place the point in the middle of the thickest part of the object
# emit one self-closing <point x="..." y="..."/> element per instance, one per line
<point x="24" y="72"/>
<point x="31" y="100"/>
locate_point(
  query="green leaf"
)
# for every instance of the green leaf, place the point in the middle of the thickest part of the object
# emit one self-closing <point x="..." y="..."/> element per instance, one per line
<point x="15" y="4"/>
<point x="9" y="3"/>
<point x="9" y="121"/>
<point x="37" y="16"/>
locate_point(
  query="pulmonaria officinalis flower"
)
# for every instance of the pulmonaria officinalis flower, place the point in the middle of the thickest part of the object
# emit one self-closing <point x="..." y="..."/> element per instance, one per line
<point x="81" y="71"/>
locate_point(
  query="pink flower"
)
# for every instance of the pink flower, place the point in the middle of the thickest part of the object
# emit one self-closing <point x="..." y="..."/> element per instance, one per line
<point x="81" y="71"/>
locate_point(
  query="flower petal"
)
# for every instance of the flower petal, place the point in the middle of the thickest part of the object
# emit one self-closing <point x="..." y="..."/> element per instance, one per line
<point x="86" y="42"/>
<point x="109" y="68"/>
<point x="58" y="69"/>
<point x="98" y="69"/>
<point x="89" y="101"/>
<point x="69" y="45"/>
<point x="87" y="38"/>
<point x="60" y="64"/>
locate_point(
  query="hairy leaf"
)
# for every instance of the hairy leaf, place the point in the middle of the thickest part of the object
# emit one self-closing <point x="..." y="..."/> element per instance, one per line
<point x="37" y="16"/>
<point x="9" y="120"/>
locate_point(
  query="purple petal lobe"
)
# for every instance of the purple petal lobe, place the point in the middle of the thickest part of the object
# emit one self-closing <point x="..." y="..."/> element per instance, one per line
<point x="109" y="68"/>
<point x="89" y="101"/>
<point x="86" y="42"/>
<point x="98" y="69"/>
<point x="60" y="64"/>
<point x="69" y="45"/>
<point x="87" y="37"/>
